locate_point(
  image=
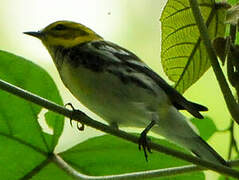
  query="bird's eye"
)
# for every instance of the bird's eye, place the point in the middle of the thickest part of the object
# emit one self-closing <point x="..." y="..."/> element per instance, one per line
<point x="59" y="27"/>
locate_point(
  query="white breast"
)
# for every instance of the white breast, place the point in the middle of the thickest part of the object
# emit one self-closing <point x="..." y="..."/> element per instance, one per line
<point x="108" y="96"/>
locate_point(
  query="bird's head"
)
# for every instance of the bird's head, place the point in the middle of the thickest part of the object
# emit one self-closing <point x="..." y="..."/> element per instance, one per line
<point x="65" y="34"/>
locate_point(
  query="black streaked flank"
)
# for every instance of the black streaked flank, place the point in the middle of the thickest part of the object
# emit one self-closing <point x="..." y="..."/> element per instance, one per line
<point x="76" y="56"/>
<point x="81" y="56"/>
<point x="126" y="78"/>
<point x="88" y="60"/>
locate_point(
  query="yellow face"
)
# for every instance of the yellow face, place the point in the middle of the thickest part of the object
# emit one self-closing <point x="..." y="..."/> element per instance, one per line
<point x="65" y="33"/>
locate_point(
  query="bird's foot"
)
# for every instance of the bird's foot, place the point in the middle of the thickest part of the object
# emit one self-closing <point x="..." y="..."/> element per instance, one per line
<point x="80" y="128"/>
<point x="144" y="143"/>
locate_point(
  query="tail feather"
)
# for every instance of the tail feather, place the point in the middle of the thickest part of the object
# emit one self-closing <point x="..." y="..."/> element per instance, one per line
<point x="194" y="109"/>
<point x="174" y="127"/>
<point x="206" y="152"/>
<point x="191" y="107"/>
<point x="199" y="107"/>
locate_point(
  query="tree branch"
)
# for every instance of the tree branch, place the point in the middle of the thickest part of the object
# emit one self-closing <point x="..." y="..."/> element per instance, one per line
<point x="232" y="57"/>
<point x="228" y="96"/>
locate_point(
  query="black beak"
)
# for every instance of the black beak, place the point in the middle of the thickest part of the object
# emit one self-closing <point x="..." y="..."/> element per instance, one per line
<point x="37" y="34"/>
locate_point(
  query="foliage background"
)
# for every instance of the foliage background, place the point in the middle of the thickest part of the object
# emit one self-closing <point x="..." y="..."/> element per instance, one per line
<point x="120" y="21"/>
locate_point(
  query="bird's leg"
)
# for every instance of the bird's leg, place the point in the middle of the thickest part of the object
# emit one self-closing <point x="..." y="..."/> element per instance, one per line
<point x="143" y="141"/>
<point x="80" y="128"/>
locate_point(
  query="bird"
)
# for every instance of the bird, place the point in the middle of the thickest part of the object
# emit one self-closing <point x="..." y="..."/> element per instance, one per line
<point x="117" y="85"/>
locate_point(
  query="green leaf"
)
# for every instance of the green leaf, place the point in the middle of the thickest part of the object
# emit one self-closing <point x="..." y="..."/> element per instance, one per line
<point x="53" y="172"/>
<point x="226" y="178"/>
<point x="107" y="155"/>
<point x="23" y="144"/>
<point x="205" y="126"/>
<point x="183" y="54"/>
<point x="233" y="2"/>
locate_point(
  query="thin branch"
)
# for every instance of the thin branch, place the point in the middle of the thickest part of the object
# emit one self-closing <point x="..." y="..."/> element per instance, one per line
<point x="232" y="65"/>
<point x="135" y="175"/>
<point x="232" y="73"/>
<point x="233" y="143"/>
<point x="232" y="70"/>
<point x="233" y="32"/>
<point x="228" y="96"/>
<point x="82" y="118"/>
<point x="231" y="131"/>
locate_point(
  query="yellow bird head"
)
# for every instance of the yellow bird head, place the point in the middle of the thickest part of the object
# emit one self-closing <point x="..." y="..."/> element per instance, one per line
<point x="64" y="33"/>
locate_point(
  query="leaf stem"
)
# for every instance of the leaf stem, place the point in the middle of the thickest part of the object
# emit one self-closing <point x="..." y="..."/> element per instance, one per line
<point x="135" y="175"/>
<point x="231" y="131"/>
<point x="233" y="143"/>
<point x="232" y="68"/>
<point x="228" y="96"/>
<point x="82" y="118"/>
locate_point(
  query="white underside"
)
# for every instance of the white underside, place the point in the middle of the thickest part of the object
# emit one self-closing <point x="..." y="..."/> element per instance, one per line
<point x="132" y="106"/>
<point x="125" y="104"/>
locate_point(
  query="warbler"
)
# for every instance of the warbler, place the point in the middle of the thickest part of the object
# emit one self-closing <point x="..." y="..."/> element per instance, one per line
<point x="115" y="84"/>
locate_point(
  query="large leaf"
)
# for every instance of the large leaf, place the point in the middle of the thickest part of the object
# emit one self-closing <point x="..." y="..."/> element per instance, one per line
<point x="205" y="126"/>
<point x="183" y="54"/>
<point x="23" y="144"/>
<point x="233" y="2"/>
<point x="107" y="155"/>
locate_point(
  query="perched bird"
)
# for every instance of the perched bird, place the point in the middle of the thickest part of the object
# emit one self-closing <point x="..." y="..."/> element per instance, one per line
<point x="115" y="84"/>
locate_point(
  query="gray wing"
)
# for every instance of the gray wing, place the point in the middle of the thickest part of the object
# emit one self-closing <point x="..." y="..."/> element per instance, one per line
<point x="175" y="97"/>
<point x="113" y="53"/>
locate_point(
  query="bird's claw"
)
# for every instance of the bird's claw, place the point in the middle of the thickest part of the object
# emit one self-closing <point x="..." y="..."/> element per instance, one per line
<point x="80" y="128"/>
<point x="144" y="142"/>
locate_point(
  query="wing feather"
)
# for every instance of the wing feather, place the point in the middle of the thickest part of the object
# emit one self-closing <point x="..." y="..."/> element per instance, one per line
<point x="117" y="54"/>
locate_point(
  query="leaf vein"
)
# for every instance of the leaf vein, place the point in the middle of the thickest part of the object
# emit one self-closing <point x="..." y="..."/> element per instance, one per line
<point x="174" y="8"/>
<point x="20" y="141"/>
<point x="179" y="29"/>
<point x="210" y="18"/>
<point x="170" y="27"/>
<point x="175" y="13"/>
<point x="185" y="9"/>
<point x="180" y="2"/>
<point x="175" y="57"/>
<point x="176" y="45"/>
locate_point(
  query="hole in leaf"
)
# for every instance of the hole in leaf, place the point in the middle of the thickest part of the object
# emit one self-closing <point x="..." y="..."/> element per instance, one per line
<point x="43" y="123"/>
